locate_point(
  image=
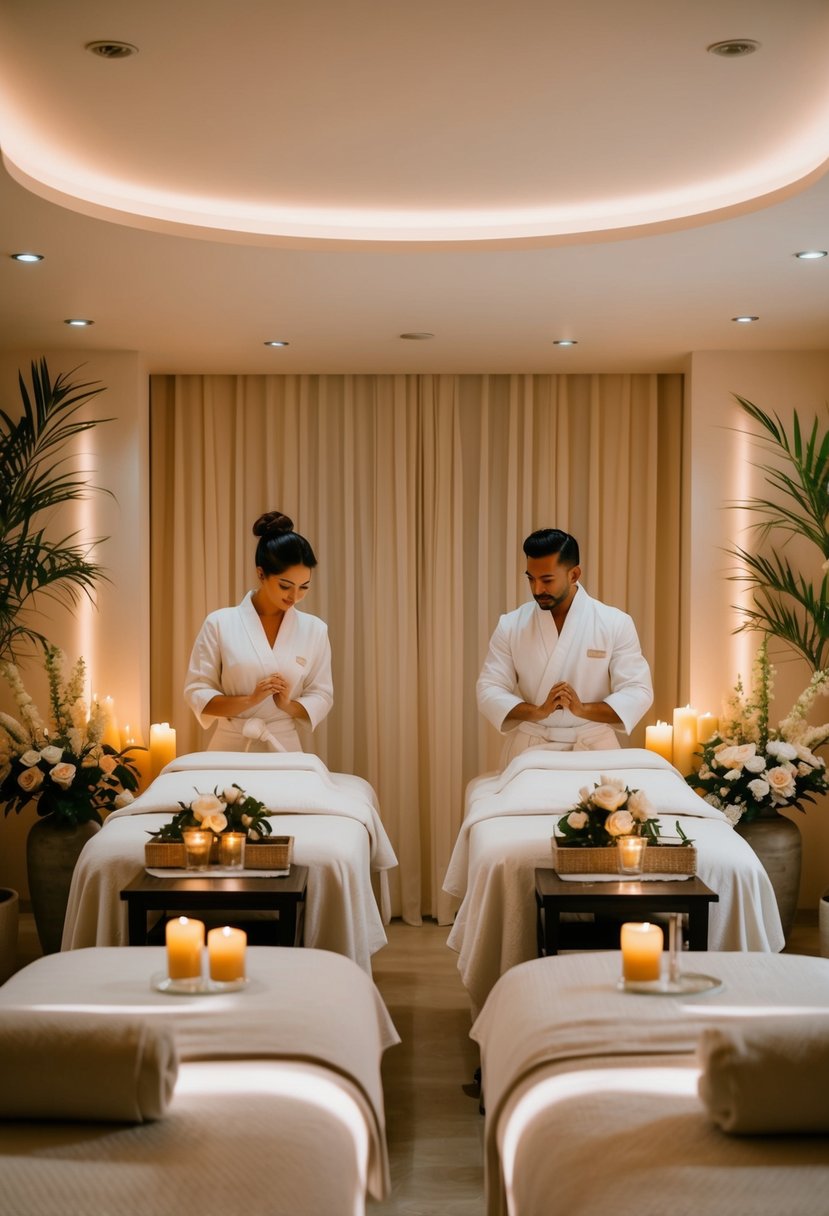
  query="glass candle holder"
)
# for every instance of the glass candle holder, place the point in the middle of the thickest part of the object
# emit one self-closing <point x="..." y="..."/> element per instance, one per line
<point x="232" y="850"/>
<point x="197" y="845"/>
<point x="631" y="854"/>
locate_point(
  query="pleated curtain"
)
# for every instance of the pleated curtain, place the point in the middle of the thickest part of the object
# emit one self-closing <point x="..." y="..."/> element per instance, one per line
<point x="416" y="492"/>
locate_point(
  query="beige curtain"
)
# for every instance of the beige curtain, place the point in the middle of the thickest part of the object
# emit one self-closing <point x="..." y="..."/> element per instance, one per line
<point x="416" y="492"/>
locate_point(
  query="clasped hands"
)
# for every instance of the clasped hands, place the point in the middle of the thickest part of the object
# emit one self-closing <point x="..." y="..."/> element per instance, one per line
<point x="563" y="696"/>
<point x="275" y="686"/>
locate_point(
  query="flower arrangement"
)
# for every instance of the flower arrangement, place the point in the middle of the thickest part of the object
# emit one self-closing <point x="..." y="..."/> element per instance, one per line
<point x="605" y="813"/>
<point x="232" y="810"/>
<point x="64" y="768"/>
<point x="749" y="768"/>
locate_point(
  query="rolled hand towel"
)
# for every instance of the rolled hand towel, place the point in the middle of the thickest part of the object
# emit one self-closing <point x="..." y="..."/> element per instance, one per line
<point x="768" y="1076"/>
<point x="92" y="1066"/>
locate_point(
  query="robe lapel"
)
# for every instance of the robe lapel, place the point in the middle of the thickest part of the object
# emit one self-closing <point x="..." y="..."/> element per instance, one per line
<point x="256" y="635"/>
<point x="566" y="645"/>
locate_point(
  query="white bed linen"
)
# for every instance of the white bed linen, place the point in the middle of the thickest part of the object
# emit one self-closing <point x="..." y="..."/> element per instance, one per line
<point x="591" y="1094"/>
<point x="510" y="819"/>
<point x="278" y="1106"/>
<point x="333" y="818"/>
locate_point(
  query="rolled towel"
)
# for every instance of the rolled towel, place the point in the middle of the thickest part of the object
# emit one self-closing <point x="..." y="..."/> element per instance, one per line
<point x="767" y="1077"/>
<point x="94" y="1066"/>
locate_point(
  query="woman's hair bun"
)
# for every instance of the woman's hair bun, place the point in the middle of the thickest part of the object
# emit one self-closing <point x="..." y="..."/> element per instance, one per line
<point x="272" y="522"/>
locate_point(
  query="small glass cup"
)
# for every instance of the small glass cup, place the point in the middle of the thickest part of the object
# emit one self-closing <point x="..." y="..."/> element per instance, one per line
<point x="631" y="855"/>
<point x="232" y="850"/>
<point x="197" y="845"/>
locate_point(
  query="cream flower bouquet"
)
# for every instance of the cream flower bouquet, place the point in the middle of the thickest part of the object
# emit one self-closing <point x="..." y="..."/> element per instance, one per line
<point x="605" y="813"/>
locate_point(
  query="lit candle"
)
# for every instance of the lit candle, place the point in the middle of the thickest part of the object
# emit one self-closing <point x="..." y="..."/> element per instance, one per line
<point x="197" y="846"/>
<point x="660" y="739"/>
<point x="685" y="739"/>
<point x="631" y="853"/>
<point x="162" y="746"/>
<point x="707" y="727"/>
<point x="232" y="850"/>
<point x="139" y="758"/>
<point x="111" y="734"/>
<point x="185" y="942"/>
<point x="226" y="953"/>
<point x="641" y="951"/>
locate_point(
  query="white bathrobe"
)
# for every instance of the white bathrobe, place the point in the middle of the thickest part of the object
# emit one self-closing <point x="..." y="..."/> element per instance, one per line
<point x="597" y="652"/>
<point x="231" y="654"/>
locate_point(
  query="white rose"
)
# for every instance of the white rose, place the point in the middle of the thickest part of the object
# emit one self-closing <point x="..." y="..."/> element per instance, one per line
<point x="63" y="775"/>
<point x="808" y="757"/>
<point x="756" y="764"/>
<point x="781" y="781"/>
<point x="577" y="820"/>
<point x="124" y="798"/>
<point x="30" y="779"/>
<point x="759" y="788"/>
<point x="620" y="823"/>
<point x="217" y="822"/>
<point x="735" y="756"/>
<point x="247" y="820"/>
<point x="616" y="782"/>
<point x="231" y="795"/>
<point x="733" y="813"/>
<point x="780" y="749"/>
<point x="52" y="754"/>
<point x="584" y="794"/>
<point x="608" y="797"/>
<point x="205" y="805"/>
<point x="732" y="775"/>
<point x="30" y="758"/>
<point x="640" y="806"/>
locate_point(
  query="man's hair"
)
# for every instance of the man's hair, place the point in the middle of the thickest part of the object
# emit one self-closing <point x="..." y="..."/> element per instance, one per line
<point x="547" y="541"/>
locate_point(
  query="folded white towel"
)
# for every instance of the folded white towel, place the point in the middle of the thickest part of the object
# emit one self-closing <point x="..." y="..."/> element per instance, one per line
<point x="767" y="1077"/>
<point x="93" y="1066"/>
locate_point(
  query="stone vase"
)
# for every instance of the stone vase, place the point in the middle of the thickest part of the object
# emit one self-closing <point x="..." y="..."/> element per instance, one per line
<point x="9" y="909"/>
<point x="52" y="850"/>
<point x="777" y="843"/>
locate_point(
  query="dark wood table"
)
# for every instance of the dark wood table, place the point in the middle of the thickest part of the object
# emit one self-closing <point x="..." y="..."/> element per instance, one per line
<point x="285" y="896"/>
<point x="630" y="900"/>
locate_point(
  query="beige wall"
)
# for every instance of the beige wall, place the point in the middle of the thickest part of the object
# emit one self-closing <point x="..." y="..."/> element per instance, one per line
<point x="719" y="469"/>
<point x="113" y="637"/>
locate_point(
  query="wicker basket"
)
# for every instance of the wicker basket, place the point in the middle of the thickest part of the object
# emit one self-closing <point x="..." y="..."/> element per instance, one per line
<point x="275" y="853"/>
<point x="658" y="859"/>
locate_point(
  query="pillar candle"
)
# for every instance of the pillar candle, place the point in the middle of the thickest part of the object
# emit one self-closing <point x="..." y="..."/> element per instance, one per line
<point x="185" y="942"/>
<point x="641" y="951"/>
<point x="685" y="739"/>
<point x="162" y="746"/>
<point x="226" y="953"/>
<point x="707" y="726"/>
<point x="111" y="733"/>
<point x="660" y="739"/>
<point x="140" y="758"/>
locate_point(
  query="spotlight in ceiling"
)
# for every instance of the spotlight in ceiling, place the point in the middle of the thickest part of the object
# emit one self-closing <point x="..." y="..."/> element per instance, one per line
<point x="565" y="342"/>
<point x="27" y="257"/>
<point x="733" y="48"/>
<point x="417" y="336"/>
<point x="276" y="342"/>
<point x="745" y="320"/>
<point x="78" y="322"/>
<point x="109" y="49"/>
<point x="810" y="255"/>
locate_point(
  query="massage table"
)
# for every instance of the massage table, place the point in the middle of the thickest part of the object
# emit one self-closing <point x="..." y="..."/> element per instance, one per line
<point x="333" y="818"/>
<point x="591" y="1093"/>
<point x="277" y="1108"/>
<point x="508" y="824"/>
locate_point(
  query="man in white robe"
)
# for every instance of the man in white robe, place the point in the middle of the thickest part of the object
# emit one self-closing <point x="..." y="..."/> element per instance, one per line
<point x="565" y="671"/>
<point x="231" y="656"/>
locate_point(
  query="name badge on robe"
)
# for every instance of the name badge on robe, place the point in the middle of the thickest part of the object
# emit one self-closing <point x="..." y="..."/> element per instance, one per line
<point x="299" y="659"/>
<point x="597" y="654"/>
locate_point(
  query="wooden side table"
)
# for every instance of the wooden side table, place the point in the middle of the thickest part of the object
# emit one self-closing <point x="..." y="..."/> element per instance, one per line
<point x="631" y="900"/>
<point x="284" y="896"/>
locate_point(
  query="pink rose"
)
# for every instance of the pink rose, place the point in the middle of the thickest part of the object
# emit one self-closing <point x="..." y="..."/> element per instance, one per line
<point x="30" y="779"/>
<point x="63" y="775"/>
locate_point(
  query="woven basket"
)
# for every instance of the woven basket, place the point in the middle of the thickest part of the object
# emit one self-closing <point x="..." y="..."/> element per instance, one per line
<point x="272" y="854"/>
<point x="658" y="859"/>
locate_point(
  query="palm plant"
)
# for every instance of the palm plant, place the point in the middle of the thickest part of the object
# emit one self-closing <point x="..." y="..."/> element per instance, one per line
<point x="786" y="603"/>
<point x="35" y="482"/>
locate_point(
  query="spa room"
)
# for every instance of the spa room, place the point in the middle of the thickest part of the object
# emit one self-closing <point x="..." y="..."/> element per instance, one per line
<point x="444" y="321"/>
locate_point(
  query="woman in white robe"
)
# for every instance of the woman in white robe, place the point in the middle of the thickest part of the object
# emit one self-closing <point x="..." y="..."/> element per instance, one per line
<point x="262" y="669"/>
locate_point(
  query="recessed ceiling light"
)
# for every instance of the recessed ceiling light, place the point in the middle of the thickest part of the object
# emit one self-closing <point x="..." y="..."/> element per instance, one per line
<point x="417" y="337"/>
<point x="27" y="257"/>
<point x="809" y="255"/>
<point x="733" y="48"/>
<point x="78" y="322"/>
<point x="744" y="320"/>
<point x="276" y="342"/>
<point x="110" y="49"/>
<point x="565" y="342"/>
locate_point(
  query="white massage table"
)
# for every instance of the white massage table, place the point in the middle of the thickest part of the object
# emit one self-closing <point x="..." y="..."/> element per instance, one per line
<point x="281" y="1114"/>
<point x="591" y="1093"/>
<point x="507" y="829"/>
<point x="333" y="818"/>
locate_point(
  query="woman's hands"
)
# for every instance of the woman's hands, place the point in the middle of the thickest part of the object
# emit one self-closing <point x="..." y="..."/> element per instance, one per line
<point x="273" y="685"/>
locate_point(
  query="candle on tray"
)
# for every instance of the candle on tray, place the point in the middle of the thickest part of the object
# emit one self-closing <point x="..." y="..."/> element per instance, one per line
<point x="641" y="951"/>
<point x="197" y="846"/>
<point x="660" y="739"/>
<point x="232" y="850"/>
<point x="162" y="746"/>
<point x="226" y="954"/>
<point x="631" y="853"/>
<point x="685" y="739"/>
<point x="185" y="942"/>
